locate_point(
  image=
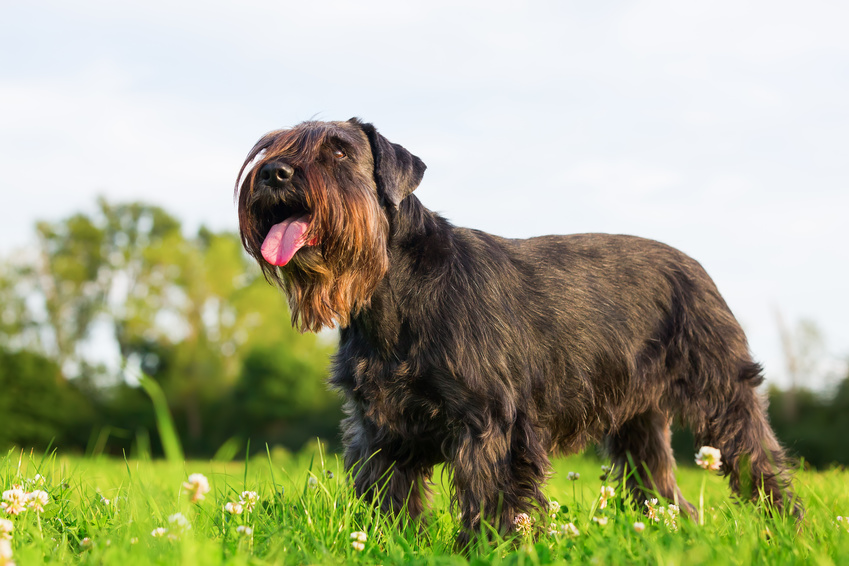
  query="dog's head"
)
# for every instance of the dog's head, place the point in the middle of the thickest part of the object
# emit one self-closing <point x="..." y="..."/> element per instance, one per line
<point x="315" y="207"/>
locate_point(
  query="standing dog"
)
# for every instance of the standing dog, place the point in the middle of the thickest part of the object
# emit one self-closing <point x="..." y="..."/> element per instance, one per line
<point x="486" y="353"/>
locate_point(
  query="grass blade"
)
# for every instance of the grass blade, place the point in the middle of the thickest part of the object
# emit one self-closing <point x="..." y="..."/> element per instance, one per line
<point x="164" y="422"/>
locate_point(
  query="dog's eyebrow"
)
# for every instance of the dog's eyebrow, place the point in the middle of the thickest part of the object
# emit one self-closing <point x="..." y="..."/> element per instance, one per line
<point x="341" y="142"/>
<point x="340" y="137"/>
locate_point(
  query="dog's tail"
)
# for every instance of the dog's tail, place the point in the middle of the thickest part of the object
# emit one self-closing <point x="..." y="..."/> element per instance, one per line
<point x="752" y="458"/>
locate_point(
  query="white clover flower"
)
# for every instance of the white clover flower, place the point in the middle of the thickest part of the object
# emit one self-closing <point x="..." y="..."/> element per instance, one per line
<point x="358" y="546"/>
<point x="6" y="528"/>
<point x="553" y="530"/>
<point x="654" y="513"/>
<point x="179" y="521"/>
<point x="570" y="530"/>
<point x="605" y="471"/>
<point x="670" y="516"/>
<point x="249" y="500"/>
<point x="359" y="536"/>
<point x="86" y="543"/>
<point x="639" y="526"/>
<point x="6" y="552"/>
<point x="312" y="482"/>
<point x="37" y="500"/>
<point x="607" y="492"/>
<point x="196" y="486"/>
<point x="134" y="540"/>
<point x="602" y="521"/>
<point x="553" y="507"/>
<point x="709" y="458"/>
<point x="14" y="501"/>
<point x="159" y="532"/>
<point x="523" y="523"/>
<point x="233" y="508"/>
<point x="244" y="530"/>
<point x="38" y="479"/>
<point x="573" y="476"/>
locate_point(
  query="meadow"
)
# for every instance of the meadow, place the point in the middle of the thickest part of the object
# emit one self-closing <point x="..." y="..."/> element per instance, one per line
<point x="101" y="510"/>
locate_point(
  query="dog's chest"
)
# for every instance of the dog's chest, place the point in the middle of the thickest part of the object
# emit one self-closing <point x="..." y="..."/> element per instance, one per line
<point x="391" y="394"/>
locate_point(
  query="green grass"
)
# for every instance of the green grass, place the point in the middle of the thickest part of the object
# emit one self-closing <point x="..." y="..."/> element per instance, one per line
<point x="298" y="521"/>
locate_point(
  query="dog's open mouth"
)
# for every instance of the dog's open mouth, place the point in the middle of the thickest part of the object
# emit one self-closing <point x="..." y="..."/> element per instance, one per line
<point x="285" y="238"/>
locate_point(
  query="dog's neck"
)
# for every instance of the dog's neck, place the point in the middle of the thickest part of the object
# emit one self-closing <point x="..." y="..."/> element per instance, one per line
<point x="421" y="246"/>
<point x="412" y="221"/>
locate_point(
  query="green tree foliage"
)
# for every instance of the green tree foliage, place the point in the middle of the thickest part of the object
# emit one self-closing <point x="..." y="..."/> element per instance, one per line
<point x="16" y="325"/>
<point x="281" y="394"/>
<point x="816" y="428"/>
<point x="72" y="281"/>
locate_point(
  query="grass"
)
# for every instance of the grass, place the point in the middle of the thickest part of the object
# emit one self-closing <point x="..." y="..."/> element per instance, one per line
<point x="307" y="512"/>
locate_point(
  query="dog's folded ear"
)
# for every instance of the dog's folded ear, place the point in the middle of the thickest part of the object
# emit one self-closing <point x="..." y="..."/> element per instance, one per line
<point x="397" y="172"/>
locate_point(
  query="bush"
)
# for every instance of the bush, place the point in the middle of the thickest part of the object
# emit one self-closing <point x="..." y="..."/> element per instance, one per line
<point x="38" y="406"/>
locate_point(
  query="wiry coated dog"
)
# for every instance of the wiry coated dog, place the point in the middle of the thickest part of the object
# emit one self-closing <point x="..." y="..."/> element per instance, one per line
<point x="486" y="353"/>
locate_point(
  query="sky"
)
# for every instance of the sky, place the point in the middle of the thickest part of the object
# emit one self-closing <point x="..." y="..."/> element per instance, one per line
<point x="719" y="128"/>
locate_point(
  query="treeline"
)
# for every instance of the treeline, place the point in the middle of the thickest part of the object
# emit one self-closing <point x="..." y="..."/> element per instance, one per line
<point x="811" y="425"/>
<point x="194" y="313"/>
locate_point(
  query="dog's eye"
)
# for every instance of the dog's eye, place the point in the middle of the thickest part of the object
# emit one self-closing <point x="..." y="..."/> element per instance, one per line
<point x="339" y="154"/>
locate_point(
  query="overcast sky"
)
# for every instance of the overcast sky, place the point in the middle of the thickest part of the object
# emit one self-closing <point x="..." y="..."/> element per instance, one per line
<point x="721" y="128"/>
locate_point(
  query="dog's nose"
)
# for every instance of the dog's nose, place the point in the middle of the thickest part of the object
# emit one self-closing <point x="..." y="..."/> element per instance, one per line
<point x="275" y="174"/>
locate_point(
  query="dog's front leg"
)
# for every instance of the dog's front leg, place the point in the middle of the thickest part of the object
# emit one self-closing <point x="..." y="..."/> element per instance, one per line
<point x="381" y="470"/>
<point x="498" y="471"/>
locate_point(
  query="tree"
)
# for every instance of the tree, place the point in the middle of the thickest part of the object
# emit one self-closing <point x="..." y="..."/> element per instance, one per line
<point x="281" y="397"/>
<point x="803" y="349"/>
<point x="38" y="405"/>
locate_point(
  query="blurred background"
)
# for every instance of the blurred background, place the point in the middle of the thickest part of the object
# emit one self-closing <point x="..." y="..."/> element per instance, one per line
<point x="718" y="128"/>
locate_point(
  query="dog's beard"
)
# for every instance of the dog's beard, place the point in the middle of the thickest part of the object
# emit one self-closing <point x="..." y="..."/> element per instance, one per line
<point x="326" y="249"/>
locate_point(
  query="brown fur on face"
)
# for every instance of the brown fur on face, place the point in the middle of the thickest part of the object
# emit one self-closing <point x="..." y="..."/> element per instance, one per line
<point x="327" y="283"/>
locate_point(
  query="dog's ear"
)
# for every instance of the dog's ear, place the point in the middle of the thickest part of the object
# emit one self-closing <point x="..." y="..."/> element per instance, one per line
<point x="397" y="172"/>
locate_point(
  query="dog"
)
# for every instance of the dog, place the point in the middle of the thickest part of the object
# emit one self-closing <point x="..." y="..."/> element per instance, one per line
<point x="461" y="347"/>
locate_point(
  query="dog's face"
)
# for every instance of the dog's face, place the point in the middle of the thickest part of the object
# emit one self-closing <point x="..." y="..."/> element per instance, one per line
<point x="315" y="211"/>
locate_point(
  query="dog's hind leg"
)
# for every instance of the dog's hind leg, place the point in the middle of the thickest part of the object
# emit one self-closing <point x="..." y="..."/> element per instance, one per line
<point x="642" y="455"/>
<point x="751" y="456"/>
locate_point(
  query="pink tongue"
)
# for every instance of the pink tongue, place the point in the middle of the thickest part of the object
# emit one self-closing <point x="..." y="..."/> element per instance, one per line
<point x="284" y="239"/>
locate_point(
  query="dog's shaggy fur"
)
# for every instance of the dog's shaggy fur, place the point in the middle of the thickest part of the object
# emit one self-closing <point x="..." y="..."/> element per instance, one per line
<point x="459" y="346"/>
